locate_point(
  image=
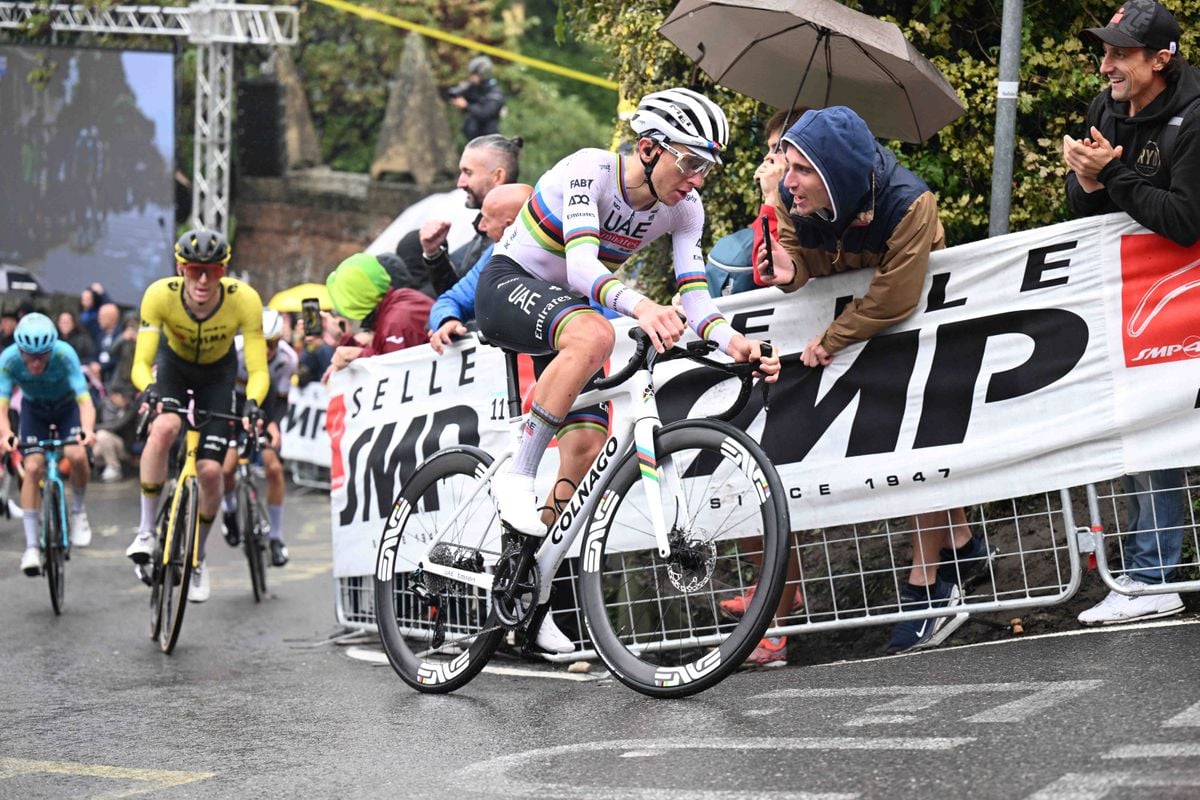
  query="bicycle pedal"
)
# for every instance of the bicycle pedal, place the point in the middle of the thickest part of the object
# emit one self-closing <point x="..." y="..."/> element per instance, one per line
<point x="143" y="573"/>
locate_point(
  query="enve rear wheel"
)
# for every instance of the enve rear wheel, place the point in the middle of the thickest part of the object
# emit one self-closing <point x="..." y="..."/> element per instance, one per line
<point x="470" y="629"/>
<point x="657" y="622"/>
<point x="52" y="546"/>
<point x="248" y="522"/>
<point x="178" y="570"/>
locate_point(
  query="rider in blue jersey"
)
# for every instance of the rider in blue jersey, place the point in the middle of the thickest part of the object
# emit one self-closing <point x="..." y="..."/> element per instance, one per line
<point x="53" y="392"/>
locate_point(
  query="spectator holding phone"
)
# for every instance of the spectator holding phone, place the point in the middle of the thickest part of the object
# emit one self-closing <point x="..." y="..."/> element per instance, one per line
<point x="846" y="204"/>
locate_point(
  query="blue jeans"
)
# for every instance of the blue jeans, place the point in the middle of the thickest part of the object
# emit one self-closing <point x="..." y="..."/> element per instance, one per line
<point x="1157" y="514"/>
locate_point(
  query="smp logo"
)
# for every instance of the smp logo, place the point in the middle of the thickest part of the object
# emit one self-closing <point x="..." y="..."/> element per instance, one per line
<point x="1159" y="292"/>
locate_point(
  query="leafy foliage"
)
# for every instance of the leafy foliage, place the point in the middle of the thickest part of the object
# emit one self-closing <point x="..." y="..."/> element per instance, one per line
<point x="1058" y="78"/>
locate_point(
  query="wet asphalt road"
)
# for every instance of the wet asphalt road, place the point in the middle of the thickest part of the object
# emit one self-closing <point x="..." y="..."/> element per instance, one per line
<point x="257" y="702"/>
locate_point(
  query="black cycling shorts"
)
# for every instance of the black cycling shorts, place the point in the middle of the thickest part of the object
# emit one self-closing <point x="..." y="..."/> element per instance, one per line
<point x="517" y="311"/>
<point x="212" y="385"/>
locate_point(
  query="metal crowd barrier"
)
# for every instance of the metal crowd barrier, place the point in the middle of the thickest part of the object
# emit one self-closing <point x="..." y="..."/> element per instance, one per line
<point x="850" y="576"/>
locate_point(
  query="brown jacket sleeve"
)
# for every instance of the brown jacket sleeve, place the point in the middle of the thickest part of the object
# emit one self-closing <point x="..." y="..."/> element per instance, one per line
<point x="896" y="288"/>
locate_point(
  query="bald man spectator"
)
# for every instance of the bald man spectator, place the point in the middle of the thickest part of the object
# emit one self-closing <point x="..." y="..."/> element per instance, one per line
<point x="109" y="321"/>
<point x="457" y="305"/>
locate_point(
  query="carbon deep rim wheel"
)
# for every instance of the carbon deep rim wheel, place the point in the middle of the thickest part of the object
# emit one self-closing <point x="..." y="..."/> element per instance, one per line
<point x="55" y="556"/>
<point x="155" y="566"/>
<point x="472" y="633"/>
<point x="178" y="572"/>
<point x="657" y="622"/>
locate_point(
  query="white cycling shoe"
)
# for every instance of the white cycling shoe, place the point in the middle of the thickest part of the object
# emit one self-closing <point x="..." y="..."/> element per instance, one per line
<point x="31" y="562"/>
<point x="81" y="530"/>
<point x="201" y="588"/>
<point x="518" y="503"/>
<point x="142" y="547"/>
<point x="551" y="639"/>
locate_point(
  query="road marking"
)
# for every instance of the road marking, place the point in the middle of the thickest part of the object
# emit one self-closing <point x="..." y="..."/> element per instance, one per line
<point x="934" y="651"/>
<point x="373" y="656"/>
<point x="156" y="778"/>
<point x="1040" y="695"/>
<point x="1188" y="718"/>
<point x="1164" y="750"/>
<point x="491" y="776"/>
<point x="1094" y="786"/>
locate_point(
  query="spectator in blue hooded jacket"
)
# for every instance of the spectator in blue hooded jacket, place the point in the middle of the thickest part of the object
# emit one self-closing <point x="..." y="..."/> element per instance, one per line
<point x="848" y="204"/>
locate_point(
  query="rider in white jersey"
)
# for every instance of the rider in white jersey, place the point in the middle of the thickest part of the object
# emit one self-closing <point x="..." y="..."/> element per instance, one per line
<point x="579" y="227"/>
<point x="586" y="216"/>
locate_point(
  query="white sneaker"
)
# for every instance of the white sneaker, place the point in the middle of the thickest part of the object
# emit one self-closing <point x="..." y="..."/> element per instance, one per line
<point x="201" y="588"/>
<point x="142" y="547"/>
<point x="31" y="562"/>
<point x="517" y="502"/>
<point x="1118" y="608"/>
<point x="551" y="639"/>
<point x="110" y="474"/>
<point x="81" y="530"/>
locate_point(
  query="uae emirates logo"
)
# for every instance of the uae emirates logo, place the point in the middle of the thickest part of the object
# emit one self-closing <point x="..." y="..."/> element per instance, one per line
<point x="1159" y="293"/>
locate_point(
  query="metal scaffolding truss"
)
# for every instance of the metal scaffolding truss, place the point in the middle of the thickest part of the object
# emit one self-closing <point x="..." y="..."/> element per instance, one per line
<point x="214" y="28"/>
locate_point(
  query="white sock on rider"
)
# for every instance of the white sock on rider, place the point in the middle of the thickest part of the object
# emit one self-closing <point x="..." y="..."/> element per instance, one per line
<point x="275" y="514"/>
<point x="30" y="518"/>
<point x="77" y="495"/>
<point x="149" y="510"/>
<point x="539" y="428"/>
<point x="229" y="501"/>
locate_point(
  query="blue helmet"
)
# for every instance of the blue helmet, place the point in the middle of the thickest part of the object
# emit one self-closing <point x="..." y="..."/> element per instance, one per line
<point x="35" y="334"/>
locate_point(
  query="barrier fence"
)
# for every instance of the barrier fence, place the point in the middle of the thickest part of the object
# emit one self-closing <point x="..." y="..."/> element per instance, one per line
<point x="1054" y="357"/>
<point x="850" y="575"/>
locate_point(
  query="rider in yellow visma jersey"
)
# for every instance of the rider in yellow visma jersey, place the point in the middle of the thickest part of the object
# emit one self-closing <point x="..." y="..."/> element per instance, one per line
<point x="186" y="343"/>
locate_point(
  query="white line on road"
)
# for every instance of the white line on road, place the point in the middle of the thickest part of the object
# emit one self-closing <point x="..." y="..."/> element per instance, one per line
<point x="1163" y="750"/>
<point x="491" y="777"/>
<point x="1188" y="718"/>
<point x="1039" y="695"/>
<point x="1094" y="786"/>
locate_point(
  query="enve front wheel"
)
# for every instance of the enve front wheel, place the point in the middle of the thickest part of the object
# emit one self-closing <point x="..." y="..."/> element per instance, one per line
<point x="177" y="572"/>
<point x="52" y="546"/>
<point x="457" y="614"/>
<point x="657" y="621"/>
<point x="248" y="522"/>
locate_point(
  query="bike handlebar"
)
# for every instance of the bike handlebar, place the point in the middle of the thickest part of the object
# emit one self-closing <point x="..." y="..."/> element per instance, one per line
<point x="644" y="355"/>
<point x="196" y="418"/>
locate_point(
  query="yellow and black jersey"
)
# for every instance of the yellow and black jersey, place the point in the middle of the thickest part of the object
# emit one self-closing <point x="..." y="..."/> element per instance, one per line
<point x="202" y="341"/>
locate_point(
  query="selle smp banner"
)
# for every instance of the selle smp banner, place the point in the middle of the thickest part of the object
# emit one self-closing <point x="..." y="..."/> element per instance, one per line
<point x="1035" y="361"/>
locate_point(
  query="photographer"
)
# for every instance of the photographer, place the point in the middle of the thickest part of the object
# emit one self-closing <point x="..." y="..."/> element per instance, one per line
<point x="480" y="97"/>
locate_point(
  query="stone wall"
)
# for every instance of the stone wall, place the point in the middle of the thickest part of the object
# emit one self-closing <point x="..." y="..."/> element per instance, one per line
<point x="297" y="228"/>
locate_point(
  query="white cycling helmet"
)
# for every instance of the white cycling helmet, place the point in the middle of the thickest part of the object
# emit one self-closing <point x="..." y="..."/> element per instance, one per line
<point x="684" y="117"/>
<point x="272" y="324"/>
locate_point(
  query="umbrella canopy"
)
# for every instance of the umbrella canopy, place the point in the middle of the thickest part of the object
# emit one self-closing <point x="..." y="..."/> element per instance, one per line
<point x="289" y="299"/>
<point x="816" y="53"/>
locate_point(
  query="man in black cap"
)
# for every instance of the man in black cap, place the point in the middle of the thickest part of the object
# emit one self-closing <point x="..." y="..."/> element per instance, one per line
<point x="1142" y="156"/>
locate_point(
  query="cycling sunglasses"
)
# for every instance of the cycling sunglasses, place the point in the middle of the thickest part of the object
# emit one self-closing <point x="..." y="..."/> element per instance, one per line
<point x="688" y="164"/>
<point x="196" y="271"/>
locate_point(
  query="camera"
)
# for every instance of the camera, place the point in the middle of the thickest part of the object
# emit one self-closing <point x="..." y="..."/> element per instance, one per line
<point x="458" y="90"/>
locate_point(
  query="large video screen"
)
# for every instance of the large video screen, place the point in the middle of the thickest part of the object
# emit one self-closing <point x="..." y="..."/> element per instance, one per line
<point x="87" y="154"/>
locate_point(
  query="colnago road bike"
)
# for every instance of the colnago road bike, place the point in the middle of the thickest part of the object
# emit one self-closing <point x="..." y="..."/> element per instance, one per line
<point x="674" y="519"/>
<point x="54" y="537"/>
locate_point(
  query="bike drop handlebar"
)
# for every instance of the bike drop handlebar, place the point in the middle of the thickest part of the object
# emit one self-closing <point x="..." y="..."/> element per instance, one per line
<point x="645" y="356"/>
<point x="196" y="418"/>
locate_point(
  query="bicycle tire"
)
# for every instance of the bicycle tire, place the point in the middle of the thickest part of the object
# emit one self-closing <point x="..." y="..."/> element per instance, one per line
<point x="248" y="522"/>
<point x="428" y="498"/>
<point x="177" y="575"/>
<point x="156" y="569"/>
<point x="656" y="622"/>
<point x="52" y="546"/>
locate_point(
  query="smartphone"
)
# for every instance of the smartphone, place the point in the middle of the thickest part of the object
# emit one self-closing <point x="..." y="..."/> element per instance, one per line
<point x="310" y="315"/>
<point x="769" y="269"/>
